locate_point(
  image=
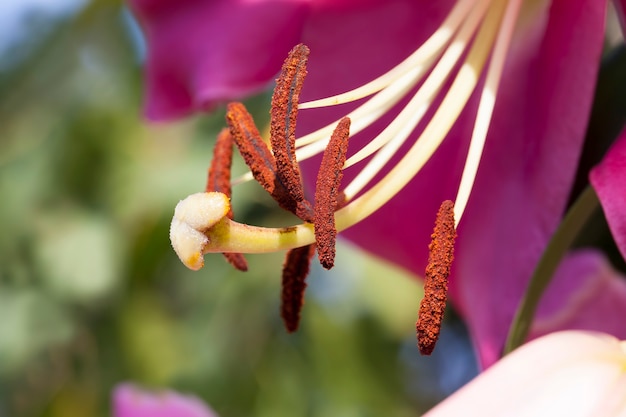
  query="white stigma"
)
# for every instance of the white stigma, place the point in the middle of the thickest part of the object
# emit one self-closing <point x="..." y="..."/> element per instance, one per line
<point x="192" y="217"/>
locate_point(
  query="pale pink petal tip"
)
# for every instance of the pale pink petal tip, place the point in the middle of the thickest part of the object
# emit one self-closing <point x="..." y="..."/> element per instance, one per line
<point x="131" y="401"/>
<point x="570" y="373"/>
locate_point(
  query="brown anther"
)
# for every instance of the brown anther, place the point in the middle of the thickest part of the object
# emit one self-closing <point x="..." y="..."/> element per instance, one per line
<point x="261" y="161"/>
<point x="441" y="254"/>
<point x="284" y="114"/>
<point x="251" y="146"/>
<point x="219" y="180"/>
<point x="327" y="193"/>
<point x="219" y="171"/>
<point x="295" y="271"/>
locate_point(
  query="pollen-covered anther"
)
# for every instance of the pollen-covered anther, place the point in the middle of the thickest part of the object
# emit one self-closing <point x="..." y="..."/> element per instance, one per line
<point x="261" y="162"/>
<point x="327" y="195"/>
<point x="440" y="259"/>
<point x="295" y="271"/>
<point x="284" y="115"/>
<point x="218" y="178"/>
<point x="193" y="216"/>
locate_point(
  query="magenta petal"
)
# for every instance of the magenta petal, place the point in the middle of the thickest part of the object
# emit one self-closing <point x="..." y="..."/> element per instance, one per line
<point x="586" y="293"/>
<point x="530" y="156"/>
<point x="609" y="181"/>
<point x="201" y="52"/>
<point x="130" y="401"/>
<point x="528" y="167"/>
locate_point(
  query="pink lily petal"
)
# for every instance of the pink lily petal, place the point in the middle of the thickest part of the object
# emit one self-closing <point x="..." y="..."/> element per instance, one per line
<point x="528" y="166"/>
<point x="609" y="181"/>
<point x="586" y="293"/>
<point x="130" y="401"/>
<point x="201" y="52"/>
<point x="526" y="171"/>
<point x="571" y="373"/>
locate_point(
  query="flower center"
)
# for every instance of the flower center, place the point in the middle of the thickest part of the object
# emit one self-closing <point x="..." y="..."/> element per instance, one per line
<point x="474" y="29"/>
<point x="472" y="41"/>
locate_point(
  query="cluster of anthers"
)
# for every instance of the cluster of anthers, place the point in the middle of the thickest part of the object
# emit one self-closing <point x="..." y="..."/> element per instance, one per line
<point x="458" y="51"/>
<point x="203" y="222"/>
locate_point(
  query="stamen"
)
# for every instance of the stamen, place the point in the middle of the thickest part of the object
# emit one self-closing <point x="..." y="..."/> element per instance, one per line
<point x="251" y="146"/>
<point x="434" y="133"/>
<point x="431" y="47"/>
<point x="261" y="161"/>
<point x="440" y="259"/>
<point x="219" y="171"/>
<point x="284" y="115"/>
<point x="394" y="85"/>
<point x="295" y="271"/>
<point x="364" y="115"/>
<point x="327" y="193"/>
<point x="485" y="107"/>
<point x="394" y="135"/>
<point x="219" y="180"/>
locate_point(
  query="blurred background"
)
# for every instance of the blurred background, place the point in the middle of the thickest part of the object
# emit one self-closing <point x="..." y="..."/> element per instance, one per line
<point x="92" y="295"/>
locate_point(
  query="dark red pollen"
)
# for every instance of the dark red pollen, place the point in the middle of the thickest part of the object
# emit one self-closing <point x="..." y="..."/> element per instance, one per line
<point x="327" y="196"/>
<point x="441" y="254"/>
<point x="261" y="162"/>
<point x="284" y="115"/>
<point x="295" y="271"/>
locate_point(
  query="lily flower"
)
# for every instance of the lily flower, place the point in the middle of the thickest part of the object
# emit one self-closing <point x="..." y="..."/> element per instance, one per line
<point x="131" y="401"/>
<point x="480" y="102"/>
<point x="570" y="373"/>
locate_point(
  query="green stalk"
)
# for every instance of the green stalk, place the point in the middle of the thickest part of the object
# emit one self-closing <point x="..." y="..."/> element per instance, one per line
<point x="561" y="241"/>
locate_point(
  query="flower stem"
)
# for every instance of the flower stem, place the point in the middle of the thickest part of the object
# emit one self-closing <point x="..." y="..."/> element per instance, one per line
<point x="561" y="241"/>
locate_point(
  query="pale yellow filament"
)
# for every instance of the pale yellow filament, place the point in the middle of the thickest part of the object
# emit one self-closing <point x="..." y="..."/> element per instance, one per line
<point x="430" y="48"/>
<point x="403" y="125"/>
<point x="435" y="131"/>
<point x="485" y="108"/>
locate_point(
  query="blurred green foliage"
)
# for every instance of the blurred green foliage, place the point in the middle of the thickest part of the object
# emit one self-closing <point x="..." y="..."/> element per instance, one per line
<point x="92" y="295"/>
